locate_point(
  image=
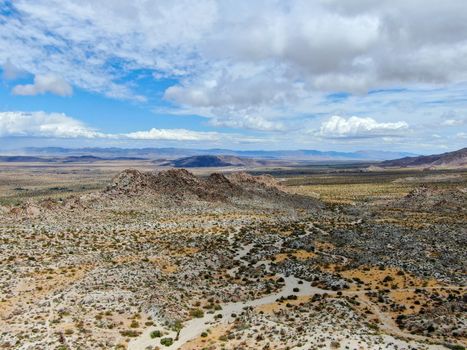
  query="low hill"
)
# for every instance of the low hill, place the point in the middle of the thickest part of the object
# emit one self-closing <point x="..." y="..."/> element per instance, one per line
<point x="216" y="161"/>
<point x="456" y="159"/>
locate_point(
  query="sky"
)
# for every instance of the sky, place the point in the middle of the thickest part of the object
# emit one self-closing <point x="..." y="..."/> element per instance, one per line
<point x="238" y="74"/>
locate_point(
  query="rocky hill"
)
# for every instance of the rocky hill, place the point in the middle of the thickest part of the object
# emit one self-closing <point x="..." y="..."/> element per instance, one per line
<point x="432" y="198"/>
<point x="173" y="188"/>
<point x="456" y="159"/>
<point x="181" y="184"/>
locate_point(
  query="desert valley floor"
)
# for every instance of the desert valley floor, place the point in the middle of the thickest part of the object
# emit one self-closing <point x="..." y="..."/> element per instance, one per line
<point x="99" y="257"/>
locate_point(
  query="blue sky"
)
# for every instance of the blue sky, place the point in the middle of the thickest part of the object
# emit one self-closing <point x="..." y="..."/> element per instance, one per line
<point x="326" y="75"/>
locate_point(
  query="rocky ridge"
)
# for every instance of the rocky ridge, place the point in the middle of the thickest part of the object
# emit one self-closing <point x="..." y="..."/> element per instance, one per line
<point x="429" y="198"/>
<point x="456" y="159"/>
<point x="183" y="185"/>
<point x="174" y="186"/>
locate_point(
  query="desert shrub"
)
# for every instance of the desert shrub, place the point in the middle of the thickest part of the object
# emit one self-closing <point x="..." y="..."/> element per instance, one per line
<point x="167" y="341"/>
<point x="155" y="334"/>
<point x="335" y="345"/>
<point x="130" y="333"/>
<point x="388" y="279"/>
<point x="198" y="313"/>
<point x="455" y="347"/>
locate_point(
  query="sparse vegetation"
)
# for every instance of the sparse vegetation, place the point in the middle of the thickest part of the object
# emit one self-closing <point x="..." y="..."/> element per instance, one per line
<point x="100" y="268"/>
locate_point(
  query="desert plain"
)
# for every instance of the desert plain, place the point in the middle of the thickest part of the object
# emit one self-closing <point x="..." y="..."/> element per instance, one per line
<point x="129" y="255"/>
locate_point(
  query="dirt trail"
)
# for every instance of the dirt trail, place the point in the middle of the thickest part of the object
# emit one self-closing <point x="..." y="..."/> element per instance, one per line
<point x="193" y="328"/>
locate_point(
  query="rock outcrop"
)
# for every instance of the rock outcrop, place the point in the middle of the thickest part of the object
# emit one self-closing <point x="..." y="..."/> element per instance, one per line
<point x="181" y="184"/>
<point x="430" y="198"/>
<point x="174" y="187"/>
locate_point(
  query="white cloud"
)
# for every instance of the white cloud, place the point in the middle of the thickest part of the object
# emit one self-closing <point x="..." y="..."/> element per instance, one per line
<point x="249" y="122"/>
<point x="59" y="125"/>
<point x="326" y="44"/>
<point x="79" y="40"/>
<point x="337" y="126"/>
<point x="453" y="122"/>
<point x="41" y="124"/>
<point x="43" y="84"/>
<point x="453" y="118"/>
<point x="172" y="134"/>
<point x="270" y="58"/>
<point x="247" y="97"/>
<point x="259" y="65"/>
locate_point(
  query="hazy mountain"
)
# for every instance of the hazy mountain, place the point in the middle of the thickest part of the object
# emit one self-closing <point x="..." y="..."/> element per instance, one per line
<point x="449" y="159"/>
<point x="174" y="153"/>
<point x="57" y="159"/>
<point x="218" y="161"/>
<point x="24" y="159"/>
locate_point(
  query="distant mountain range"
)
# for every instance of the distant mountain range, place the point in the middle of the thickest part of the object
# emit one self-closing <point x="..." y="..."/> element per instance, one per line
<point x="56" y="159"/>
<point x="454" y="159"/>
<point x="174" y="153"/>
<point x="191" y="158"/>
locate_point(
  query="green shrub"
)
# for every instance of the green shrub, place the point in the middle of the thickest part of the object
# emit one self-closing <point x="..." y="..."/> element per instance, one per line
<point x="198" y="313"/>
<point x="167" y="341"/>
<point x="130" y="333"/>
<point x="156" y="334"/>
<point x="455" y="347"/>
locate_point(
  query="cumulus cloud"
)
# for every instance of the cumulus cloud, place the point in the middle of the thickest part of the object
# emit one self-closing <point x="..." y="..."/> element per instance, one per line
<point x="249" y="122"/>
<point x="59" y="125"/>
<point x="43" y="84"/>
<point x="327" y="44"/>
<point x="237" y="99"/>
<point x="277" y="55"/>
<point x="41" y="124"/>
<point x="356" y="127"/>
<point x="172" y="134"/>
<point x="258" y="65"/>
<point x="246" y="87"/>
